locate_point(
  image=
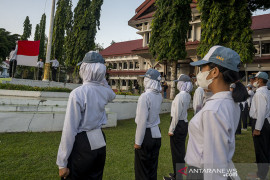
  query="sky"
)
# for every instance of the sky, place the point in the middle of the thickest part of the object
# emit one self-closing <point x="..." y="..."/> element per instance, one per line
<point x="115" y="15"/>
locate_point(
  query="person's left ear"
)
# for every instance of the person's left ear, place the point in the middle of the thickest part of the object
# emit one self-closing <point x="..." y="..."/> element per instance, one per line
<point x="215" y="72"/>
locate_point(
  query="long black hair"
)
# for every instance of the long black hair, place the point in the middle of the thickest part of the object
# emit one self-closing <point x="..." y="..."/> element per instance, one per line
<point x="239" y="93"/>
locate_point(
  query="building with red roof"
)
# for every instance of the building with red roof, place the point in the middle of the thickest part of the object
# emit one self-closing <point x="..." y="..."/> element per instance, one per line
<point x="132" y="58"/>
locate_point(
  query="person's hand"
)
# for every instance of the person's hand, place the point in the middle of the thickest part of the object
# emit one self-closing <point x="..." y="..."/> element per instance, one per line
<point x="256" y="132"/>
<point x="170" y="134"/>
<point x="64" y="172"/>
<point x="137" y="146"/>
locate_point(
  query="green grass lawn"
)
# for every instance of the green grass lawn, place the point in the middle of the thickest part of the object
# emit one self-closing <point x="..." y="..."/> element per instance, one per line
<point x="33" y="155"/>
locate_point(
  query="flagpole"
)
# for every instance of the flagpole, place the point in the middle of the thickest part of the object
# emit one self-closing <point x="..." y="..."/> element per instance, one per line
<point x="49" y="45"/>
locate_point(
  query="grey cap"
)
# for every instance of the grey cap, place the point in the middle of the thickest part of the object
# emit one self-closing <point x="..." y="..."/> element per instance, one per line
<point x="92" y="57"/>
<point x="222" y="56"/>
<point x="153" y="74"/>
<point x="262" y="75"/>
<point x="183" y="77"/>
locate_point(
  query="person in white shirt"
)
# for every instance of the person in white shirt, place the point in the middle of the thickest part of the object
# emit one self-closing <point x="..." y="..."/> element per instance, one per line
<point x="179" y="124"/>
<point x="249" y="101"/>
<point x="211" y="143"/>
<point x="82" y="150"/>
<point x="198" y="98"/>
<point x="260" y="112"/>
<point x="55" y="65"/>
<point x="40" y="65"/>
<point x="148" y="136"/>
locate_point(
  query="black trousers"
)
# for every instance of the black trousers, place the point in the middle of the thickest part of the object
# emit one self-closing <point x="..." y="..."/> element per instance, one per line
<point x="40" y="72"/>
<point x="54" y="72"/>
<point x="178" y="142"/>
<point x="84" y="163"/>
<point x="262" y="149"/>
<point x="12" y="67"/>
<point x="146" y="158"/>
<point x="250" y="119"/>
<point x="244" y="115"/>
<point x="238" y="130"/>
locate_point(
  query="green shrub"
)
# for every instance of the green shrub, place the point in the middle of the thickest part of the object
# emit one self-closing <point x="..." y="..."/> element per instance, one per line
<point x="30" y="88"/>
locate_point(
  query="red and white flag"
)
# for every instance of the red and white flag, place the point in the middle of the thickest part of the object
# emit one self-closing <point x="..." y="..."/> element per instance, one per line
<point x="27" y="54"/>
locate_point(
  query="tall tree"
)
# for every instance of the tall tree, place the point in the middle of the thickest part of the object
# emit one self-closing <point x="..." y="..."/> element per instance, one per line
<point x="69" y="44"/>
<point x="258" y="4"/>
<point x="60" y="28"/>
<point x="226" y="23"/>
<point x="169" y="32"/>
<point x="86" y="20"/>
<point x="7" y="42"/>
<point x="37" y="33"/>
<point x="42" y="38"/>
<point x="27" y="28"/>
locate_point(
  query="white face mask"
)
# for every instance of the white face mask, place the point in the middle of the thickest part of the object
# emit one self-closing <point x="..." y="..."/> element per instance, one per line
<point x="256" y="84"/>
<point x="202" y="81"/>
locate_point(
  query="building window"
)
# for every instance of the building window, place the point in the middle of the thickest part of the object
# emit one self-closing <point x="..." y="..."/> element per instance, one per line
<point x="189" y="32"/>
<point x="136" y="65"/>
<point x="113" y="82"/>
<point x="120" y="65"/>
<point x="124" y="83"/>
<point x="147" y="38"/>
<point x="125" y="65"/>
<point x="131" y="65"/>
<point x="114" y="66"/>
<point x="110" y="66"/>
<point x="266" y="48"/>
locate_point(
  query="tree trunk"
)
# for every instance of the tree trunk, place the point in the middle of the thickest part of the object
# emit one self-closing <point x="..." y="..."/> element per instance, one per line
<point x="173" y="77"/>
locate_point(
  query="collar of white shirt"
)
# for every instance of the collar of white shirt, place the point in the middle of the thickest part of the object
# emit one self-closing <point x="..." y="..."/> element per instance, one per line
<point x="261" y="88"/>
<point x="221" y="95"/>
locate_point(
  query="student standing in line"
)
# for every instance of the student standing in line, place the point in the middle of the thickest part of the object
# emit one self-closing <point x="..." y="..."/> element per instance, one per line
<point x="82" y="150"/>
<point x="198" y="98"/>
<point x="55" y="65"/>
<point x="40" y="65"/>
<point x="260" y="112"/>
<point x="249" y="101"/>
<point x="239" y="126"/>
<point x="211" y="143"/>
<point x="179" y="124"/>
<point x="165" y="87"/>
<point x="148" y="136"/>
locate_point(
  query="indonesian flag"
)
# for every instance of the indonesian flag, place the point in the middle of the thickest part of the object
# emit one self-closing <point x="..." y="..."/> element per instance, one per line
<point x="27" y="54"/>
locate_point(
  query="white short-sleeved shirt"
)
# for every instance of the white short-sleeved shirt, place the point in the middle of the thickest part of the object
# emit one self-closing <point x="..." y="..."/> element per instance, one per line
<point x="85" y="112"/>
<point x="147" y="114"/>
<point x="260" y="107"/>
<point x="211" y="131"/>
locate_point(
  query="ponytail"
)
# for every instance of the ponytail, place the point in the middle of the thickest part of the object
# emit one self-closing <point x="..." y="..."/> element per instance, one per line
<point x="239" y="93"/>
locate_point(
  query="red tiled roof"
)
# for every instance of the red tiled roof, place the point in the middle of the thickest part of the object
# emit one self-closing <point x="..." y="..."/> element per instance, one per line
<point x="141" y="48"/>
<point x="122" y="48"/>
<point x="147" y="4"/>
<point x="261" y="22"/>
<point x="151" y="14"/>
